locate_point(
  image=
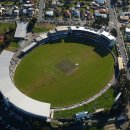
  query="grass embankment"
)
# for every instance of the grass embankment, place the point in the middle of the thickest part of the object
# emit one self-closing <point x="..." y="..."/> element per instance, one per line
<point x="4" y="27"/>
<point x="12" y="46"/>
<point x="43" y="27"/>
<point x="105" y="101"/>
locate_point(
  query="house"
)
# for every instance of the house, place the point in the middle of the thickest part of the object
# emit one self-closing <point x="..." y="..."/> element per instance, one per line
<point x="99" y="15"/>
<point x="59" y="4"/>
<point x="27" y="5"/>
<point x="16" y="12"/>
<point x="75" y="13"/>
<point x="124" y="18"/>
<point x="100" y="2"/>
<point x="30" y="13"/>
<point x="36" y="12"/>
<point x="54" y="2"/>
<point x="49" y="13"/>
<point x="103" y="11"/>
<point x="25" y="11"/>
<point x="93" y="3"/>
<point x="27" y="2"/>
<point x="67" y="14"/>
<point x="78" y="5"/>
<point x="2" y="10"/>
<point x="104" y="16"/>
<point x="9" y="11"/>
<point x="16" y="7"/>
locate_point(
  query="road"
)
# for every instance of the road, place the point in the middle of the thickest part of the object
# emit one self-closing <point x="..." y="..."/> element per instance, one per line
<point x="119" y="38"/>
<point x="41" y="7"/>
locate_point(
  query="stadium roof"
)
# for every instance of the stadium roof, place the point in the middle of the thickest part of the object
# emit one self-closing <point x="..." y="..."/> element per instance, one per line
<point x="29" y="47"/>
<point x="52" y="31"/>
<point x="106" y="34"/>
<point x="38" y="39"/>
<point x="13" y="95"/>
<point x="43" y="36"/>
<point x="61" y="28"/>
<point x="127" y="30"/>
<point x="21" y="30"/>
<point x="84" y="29"/>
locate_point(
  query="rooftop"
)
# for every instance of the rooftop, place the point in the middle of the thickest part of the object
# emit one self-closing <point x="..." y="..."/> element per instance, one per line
<point x="21" y="30"/>
<point x="13" y="95"/>
<point x="120" y="63"/>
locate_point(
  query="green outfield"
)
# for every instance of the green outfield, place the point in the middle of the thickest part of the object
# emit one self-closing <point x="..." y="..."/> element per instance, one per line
<point x="64" y="73"/>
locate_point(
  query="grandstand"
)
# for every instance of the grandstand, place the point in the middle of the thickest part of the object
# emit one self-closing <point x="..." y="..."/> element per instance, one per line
<point x="43" y="38"/>
<point x="97" y="36"/>
<point x="13" y="97"/>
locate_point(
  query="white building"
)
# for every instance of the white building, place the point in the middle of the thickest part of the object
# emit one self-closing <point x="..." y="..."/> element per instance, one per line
<point x="21" y="30"/>
<point x="127" y="34"/>
<point x="81" y="115"/>
<point x="49" y="13"/>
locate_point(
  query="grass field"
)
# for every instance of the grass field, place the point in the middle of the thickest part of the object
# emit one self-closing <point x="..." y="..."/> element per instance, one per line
<point x="7" y="3"/>
<point x="63" y="73"/>
<point x="43" y="27"/>
<point x="5" y="27"/>
<point x="105" y="101"/>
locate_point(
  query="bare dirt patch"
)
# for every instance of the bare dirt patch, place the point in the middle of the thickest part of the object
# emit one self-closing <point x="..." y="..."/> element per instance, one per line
<point x="67" y="66"/>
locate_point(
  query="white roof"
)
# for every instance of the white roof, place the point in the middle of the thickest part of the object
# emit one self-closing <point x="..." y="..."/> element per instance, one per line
<point x="104" y="33"/>
<point x="127" y="30"/>
<point x="29" y="47"/>
<point x="120" y="63"/>
<point x="21" y="30"/>
<point x="43" y="36"/>
<point x="16" y="11"/>
<point x="118" y="96"/>
<point x="16" y="97"/>
<point x="84" y="29"/>
<point x="50" y="13"/>
<point x="28" y="5"/>
<point x="61" y="28"/>
<point x="73" y="27"/>
<point x="52" y="31"/>
<point x="107" y="34"/>
<point x="99" y="110"/>
<point x="38" y="39"/>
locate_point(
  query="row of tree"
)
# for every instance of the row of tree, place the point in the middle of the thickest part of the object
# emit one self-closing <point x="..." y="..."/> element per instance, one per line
<point x="8" y="37"/>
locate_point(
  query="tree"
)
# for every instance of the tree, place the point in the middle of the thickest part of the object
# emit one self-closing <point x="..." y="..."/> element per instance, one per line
<point x="8" y="39"/>
<point x="11" y="30"/>
<point x="31" y="24"/>
<point x="114" y="32"/>
<point x="23" y="17"/>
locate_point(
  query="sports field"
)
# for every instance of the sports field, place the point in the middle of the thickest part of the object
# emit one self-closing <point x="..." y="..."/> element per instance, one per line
<point x="63" y="73"/>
